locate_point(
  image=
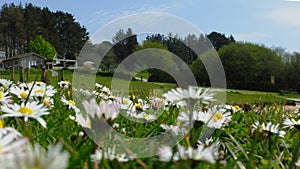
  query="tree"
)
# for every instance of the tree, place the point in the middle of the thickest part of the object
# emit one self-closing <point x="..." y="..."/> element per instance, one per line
<point x="19" y="25"/>
<point x="12" y="29"/>
<point x="250" y="66"/>
<point x="40" y="46"/>
<point x="124" y="44"/>
<point x="157" y="53"/>
<point x="219" y="40"/>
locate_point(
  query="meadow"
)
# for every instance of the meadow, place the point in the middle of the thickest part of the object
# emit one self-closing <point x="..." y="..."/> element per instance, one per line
<point x="54" y="125"/>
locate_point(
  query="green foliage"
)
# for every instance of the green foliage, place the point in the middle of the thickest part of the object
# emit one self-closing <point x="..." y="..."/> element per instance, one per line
<point x="40" y="46"/>
<point x="249" y="66"/>
<point x="21" y="24"/>
<point x="219" y="40"/>
<point x="124" y="44"/>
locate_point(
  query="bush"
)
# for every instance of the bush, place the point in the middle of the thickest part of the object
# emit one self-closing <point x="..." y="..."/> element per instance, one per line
<point x="162" y="77"/>
<point x="125" y="76"/>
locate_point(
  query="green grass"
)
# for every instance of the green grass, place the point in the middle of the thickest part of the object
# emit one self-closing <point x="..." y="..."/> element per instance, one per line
<point x="137" y="87"/>
<point x="240" y="146"/>
<point x="143" y="74"/>
<point x="262" y="97"/>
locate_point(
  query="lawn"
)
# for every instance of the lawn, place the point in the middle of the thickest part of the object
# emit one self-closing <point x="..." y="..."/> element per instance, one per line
<point x="65" y="126"/>
<point x="137" y="87"/>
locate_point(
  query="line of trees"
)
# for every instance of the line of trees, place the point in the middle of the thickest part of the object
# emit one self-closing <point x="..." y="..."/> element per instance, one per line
<point x="21" y="24"/>
<point x="247" y="66"/>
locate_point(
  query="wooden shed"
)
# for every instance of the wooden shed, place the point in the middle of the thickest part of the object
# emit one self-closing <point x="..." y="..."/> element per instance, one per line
<point x="27" y="60"/>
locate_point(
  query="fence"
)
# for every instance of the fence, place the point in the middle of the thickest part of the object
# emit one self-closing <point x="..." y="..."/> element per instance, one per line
<point x="26" y="72"/>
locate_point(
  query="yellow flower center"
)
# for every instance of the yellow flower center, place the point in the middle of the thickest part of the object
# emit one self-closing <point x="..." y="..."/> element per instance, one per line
<point x="1" y="124"/>
<point x="125" y="101"/>
<point x="89" y="123"/>
<point x="1" y="95"/>
<point x="39" y="91"/>
<point x="46" y="103"/>
<point x="217" y="116"/>
<point x="35" y="168"/>
<point x="71" y="102"/>
<point x="0" y="149"/>
<point x="146" y="116"/>
<point x="40" y="83"/>
<point x="236" y="107"/>
<point x="23" y="95"/>
<point x="25" y="110"/>
<point x="138" y="105"/>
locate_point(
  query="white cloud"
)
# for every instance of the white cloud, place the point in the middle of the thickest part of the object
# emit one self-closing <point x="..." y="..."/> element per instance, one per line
<point x="288" y="16"/>
<point x="105" y="16"/>
<point x="252" y="37"/>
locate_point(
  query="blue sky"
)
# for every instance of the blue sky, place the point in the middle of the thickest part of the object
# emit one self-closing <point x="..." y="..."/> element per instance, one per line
<point x="269" y="22"/>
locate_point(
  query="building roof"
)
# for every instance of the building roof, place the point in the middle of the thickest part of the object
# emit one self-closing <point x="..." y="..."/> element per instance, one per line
<point x="23" y="55"/>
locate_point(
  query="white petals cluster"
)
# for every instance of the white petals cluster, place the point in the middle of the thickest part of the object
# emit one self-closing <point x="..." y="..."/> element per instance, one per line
<point x="268" y="127"/>
<point x="180" y="96"/>
<point x="110" y="154"/>
<point x="37" y="157"/>
<point x="291" y="123"/>
<point x="29" y="110"/>
<point x="208" y="154"/>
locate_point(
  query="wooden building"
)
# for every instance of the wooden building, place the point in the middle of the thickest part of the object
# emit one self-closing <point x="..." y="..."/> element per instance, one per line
<point x="27" y="60"/>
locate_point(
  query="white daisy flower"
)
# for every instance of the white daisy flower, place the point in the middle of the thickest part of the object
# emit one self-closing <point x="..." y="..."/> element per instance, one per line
<point x="10" y="145"/>
<point x="175" y="96"/>
<point x="124" y="103"/>
<point x="141" y="105"/>
<point x="70" y="103"/>
<point x="268" y="128"/>
<point x="204" y="95"/>
<point x="5" y="83"/>
<point x="85" y="92"/>
<point x="83" y="121"/>
<point x="22" y="93"/>
<point x="102" y="91"/>
<point x="172" y="128"/>
<point x="146" y="116"/>
<point x="64" y="84"/>
<point x="156" y="103"/>
<point x="110" y="154"/>
<point x="30" y="110"/>
<point x="201" y="153"/>
<point x="186" y="117"/>
<point x="97" y="85"/>
<point x="206" y="142"/>
<point x="215" y="117"/>
<point x="8" y="130"/>
<point x="4" y="98"/>
<point x="291" y="123"/>
<point x="43" y="91"/>
<point x="165" y="153"/>
<point x="105" y="109"/>
<point x="208" y="154"/>
<point x="48" y="102"/>
<point x="234" y="109"/>
<point x="37" y="157"/>
<point x="109" y="110"/>
<point x="180" y="96"/>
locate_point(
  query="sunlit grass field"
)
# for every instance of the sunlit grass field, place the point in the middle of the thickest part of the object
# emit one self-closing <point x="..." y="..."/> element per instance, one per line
<point x="223" y="136"/>
<point x="137" y="87"/>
